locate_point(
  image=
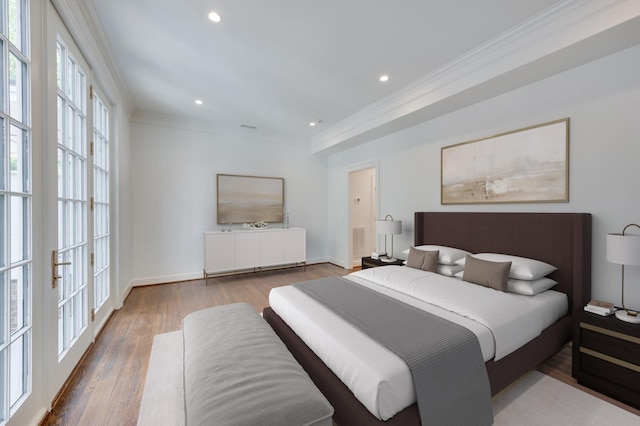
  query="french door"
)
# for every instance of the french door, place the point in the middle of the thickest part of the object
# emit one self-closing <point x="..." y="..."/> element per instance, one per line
<point x="100" y="149"/>
<point x="69" y="225"/>
<point x="55" y="269"/>
<point x="16" y="200"/>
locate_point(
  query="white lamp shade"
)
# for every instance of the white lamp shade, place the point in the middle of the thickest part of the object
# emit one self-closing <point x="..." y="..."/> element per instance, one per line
<point x="623" y="249"/>
<point x="388" y="227"/>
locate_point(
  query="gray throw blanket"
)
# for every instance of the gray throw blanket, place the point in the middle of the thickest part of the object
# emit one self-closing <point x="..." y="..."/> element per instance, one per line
<point x="449" y="375"/>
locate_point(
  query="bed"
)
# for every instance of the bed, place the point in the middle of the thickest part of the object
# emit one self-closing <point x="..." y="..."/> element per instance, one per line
<point x="561" y="239"/>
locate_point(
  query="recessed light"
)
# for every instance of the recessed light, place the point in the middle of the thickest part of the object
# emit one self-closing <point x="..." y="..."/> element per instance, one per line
<point x="199" y="102"/>
<point x="312" y="123"/>
<point x="384" y="78"/>
<point x="215" y="17"/>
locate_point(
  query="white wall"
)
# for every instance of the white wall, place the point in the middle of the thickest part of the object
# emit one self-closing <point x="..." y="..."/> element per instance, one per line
<point x="174" y="193"/>
<point x="602" y="100"/>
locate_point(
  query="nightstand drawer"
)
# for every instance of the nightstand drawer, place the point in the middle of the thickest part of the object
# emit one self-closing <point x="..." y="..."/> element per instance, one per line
<point x="610" y="369"/>
<point x="617" y="345"/>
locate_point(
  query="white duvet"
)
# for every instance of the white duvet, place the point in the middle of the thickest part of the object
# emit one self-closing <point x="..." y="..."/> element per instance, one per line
<point x="381" y="380"/>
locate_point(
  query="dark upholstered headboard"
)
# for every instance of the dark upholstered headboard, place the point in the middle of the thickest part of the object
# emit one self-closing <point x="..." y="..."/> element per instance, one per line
<point x="561" y="239"/>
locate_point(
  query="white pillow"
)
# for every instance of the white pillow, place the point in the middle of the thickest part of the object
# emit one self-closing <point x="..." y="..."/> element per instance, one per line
<point x="530" y="287"/>
<point x="449" y="270"/>
<point x="448" y="255"/>
<point x="525" y="287"/>
<point x="522" y="268"/>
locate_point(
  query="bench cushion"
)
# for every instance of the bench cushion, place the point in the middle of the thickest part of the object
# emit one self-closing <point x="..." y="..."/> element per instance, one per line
<point x="238" y="372"/>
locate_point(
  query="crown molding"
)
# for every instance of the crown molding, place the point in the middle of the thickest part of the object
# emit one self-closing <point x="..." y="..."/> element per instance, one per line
<point x="553" y="33"/>
<point x="205" y="126"/>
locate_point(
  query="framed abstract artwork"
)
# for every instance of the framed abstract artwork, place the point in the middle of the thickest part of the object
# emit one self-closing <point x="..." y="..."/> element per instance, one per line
<point x="527" y="165"/>
<point x="249" y="199"/>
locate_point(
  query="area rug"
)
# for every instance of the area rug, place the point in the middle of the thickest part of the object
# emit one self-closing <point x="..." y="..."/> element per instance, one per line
<point x="163" y="395"/>
<point x="538" y="400"/>
<point x="535" y="400"/>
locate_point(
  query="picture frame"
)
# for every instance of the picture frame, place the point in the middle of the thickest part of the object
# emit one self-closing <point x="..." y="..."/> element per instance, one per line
<point x="528" y="165"/>
<point x="249" y="199"/>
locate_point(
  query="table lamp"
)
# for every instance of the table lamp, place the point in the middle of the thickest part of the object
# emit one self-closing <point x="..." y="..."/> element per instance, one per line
<point x="385" y="227"/>
<point x="624" y="249"/>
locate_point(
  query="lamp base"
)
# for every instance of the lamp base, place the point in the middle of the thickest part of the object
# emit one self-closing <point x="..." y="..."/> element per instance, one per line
<point x="388" y="259"/>
<point x="623" y="315"/>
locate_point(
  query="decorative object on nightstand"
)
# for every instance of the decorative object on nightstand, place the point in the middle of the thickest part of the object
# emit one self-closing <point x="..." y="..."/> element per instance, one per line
<point x="624" y="249"/>
<point x="385" y="227"/>
<point x="601" y="308"/>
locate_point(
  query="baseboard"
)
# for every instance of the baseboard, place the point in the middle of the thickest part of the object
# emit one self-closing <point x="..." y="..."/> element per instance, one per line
<point x="97" y="328"/>
<point x="167" y="279"/>
<point x="340" y="263"/>
<point x="125" y="294"/>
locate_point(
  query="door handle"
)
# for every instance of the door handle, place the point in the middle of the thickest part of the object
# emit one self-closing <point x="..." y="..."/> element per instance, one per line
<point x="54" y="268"/>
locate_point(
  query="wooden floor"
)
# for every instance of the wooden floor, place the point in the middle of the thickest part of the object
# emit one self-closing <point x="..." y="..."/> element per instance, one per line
<point x="107" y="386"/>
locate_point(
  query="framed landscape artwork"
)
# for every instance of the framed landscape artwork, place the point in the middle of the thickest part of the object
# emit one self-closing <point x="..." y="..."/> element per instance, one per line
<point x="523" y="166"/>
<point x="249" y="199"/>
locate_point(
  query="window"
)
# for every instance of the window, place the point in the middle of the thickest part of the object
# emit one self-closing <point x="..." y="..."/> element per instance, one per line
<point x="15" y="207"/>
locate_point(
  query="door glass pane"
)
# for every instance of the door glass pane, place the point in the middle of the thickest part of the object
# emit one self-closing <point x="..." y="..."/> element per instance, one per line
<point x="4" y="238"/>
<point x="16" y="9"/>
<point x="17" y="87"/>
<point x="4" y="305"/>
<point x="19" y="295"/>
<point x="3" y="150"/>
<point x="19" y="235"/>
<point x="19" y="159"/>
<point x="60" y="113"/>
<point x="69" y="72"/>
<point x="19" y="367"/>
<point x="4" y="401"/>
<point x="3" y="72"/>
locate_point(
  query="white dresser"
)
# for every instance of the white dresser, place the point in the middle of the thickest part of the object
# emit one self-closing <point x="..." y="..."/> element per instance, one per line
<point x="253" y="249"/>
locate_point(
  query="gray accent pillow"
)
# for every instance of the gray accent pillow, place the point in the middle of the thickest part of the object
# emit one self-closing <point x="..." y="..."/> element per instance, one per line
<point x="421" y="259"/>
<point x="486" y="273"/>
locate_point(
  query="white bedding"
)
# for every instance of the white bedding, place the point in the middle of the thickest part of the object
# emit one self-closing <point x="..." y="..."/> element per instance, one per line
<point x="379" y="378"/>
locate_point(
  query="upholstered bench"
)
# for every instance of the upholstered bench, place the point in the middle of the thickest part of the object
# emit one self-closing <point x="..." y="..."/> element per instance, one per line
<point x="238" y="372"/>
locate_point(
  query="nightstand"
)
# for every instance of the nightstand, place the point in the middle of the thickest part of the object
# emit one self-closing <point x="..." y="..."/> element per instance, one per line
<point x="369" y="262"/>
<point x="606" y="356"/>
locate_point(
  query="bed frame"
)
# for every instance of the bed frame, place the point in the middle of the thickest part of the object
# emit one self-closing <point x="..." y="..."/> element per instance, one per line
<point x="561" y="239"/>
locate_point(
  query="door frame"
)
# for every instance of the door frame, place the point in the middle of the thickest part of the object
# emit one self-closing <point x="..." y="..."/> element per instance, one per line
<point x="375" y="164"/>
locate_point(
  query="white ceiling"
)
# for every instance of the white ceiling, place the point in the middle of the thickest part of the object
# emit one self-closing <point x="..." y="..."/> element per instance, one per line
<point x="280" y="64"/>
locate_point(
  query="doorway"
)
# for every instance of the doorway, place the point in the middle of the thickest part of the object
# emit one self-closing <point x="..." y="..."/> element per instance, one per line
<point x="362" y="213"/>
